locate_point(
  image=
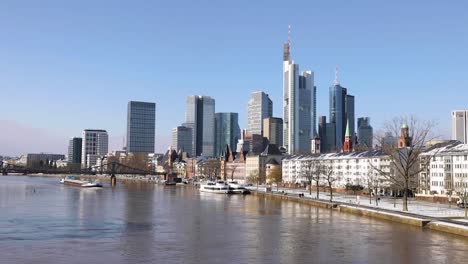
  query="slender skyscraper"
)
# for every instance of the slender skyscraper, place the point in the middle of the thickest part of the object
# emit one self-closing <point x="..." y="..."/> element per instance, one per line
<point x="299" y="110"/>
<point x="200" y="116"/>
<point x="74" y="150"/>
<point x="341" y="112"/>
<point x="227" y="132"/>
<point x="260" y="107"/>
<point x="460" y="126"/>
<point x="141" y="119"/>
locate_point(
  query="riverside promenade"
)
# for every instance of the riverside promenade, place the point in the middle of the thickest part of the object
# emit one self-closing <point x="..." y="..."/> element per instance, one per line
<point x="441" y="217"/>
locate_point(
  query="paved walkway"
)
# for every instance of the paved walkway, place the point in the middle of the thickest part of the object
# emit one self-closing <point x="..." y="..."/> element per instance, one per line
<point x="416" y="207"/>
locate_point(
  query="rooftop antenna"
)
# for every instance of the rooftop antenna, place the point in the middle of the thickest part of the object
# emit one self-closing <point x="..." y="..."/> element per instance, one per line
<point x="289" y="35"/>
<point x="336" y="82"/>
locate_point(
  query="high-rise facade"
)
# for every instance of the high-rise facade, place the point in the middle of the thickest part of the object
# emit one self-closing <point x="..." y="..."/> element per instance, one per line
<point x="74" y="150"/>
<point x="182" y="139"/>
<point x="227" y="132"/>
<point x="141" y="123"/>
<point x="365" y="132"/>
<point x="341" y="112"/>
<point x="460" y="126"/>
<point x="273" y="130"/>
<point x="200" y="116"/>
<point x="326" y="135"/>
<point x="299" y="110"/>
<point x="95" y="145"/>
<point x="259" y="107"/>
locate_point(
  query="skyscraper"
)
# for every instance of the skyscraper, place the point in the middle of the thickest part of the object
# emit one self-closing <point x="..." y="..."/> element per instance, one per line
<point x="74" y="150"/>
<point x="273" y="130"/>
<point x="365" y="132"/>
<point x="227" y="132"/>
<point x="341" y="112"/>
<point x="326" y="135"/>
<point x="460" y="126"/>
<point x="95" y="145"/>
<point x="299" y="110"/>
<point x="182" y="139"/>
<point x="200" y="116"/>
<point x="141" y="119"/>
<point x="259" y="107"/>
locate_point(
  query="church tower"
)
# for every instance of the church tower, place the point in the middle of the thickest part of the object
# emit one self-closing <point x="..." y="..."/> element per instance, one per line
<point x="348" y="143"/>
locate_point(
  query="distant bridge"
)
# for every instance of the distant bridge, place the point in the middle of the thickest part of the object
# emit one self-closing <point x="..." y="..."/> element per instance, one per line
<point x="112" y="168"/>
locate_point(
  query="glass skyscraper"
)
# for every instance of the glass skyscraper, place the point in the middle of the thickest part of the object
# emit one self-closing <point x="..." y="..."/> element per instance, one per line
<point x="259" y="107"/>
<point x="74" y="150"/>
<point x="227" y="132"/>
<point x="200" y="116"/>
<point x="141" y="124"/>
<point x="341" y="112"/>
<point x="365" y="132"/>
<point x="299" y="110"/>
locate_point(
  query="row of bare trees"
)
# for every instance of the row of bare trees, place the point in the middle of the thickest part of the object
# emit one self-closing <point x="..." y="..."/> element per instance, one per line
<point x="317" y="171"/>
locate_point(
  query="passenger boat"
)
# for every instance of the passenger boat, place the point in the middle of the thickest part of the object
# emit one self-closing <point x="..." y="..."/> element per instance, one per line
<point x="215" y="187"/>
<point x="237" y="188"/>
<point x="72" y="180"/>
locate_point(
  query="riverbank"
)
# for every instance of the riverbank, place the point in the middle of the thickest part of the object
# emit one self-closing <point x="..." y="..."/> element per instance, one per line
<point x="424" y="222"/>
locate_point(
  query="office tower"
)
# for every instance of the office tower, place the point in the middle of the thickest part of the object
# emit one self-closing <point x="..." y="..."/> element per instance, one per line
<point x="273" y="130"/>
<point x="182" y="139"/>
<point x="95" y="145"/>
<point x="299" y="110"/>
<point x="141" y="118"/>
<point x="365" y="132"/>
<point x="259" y="107"/>
<point x="227" y="132"/>
<point x="341" y="112"/>
<point x="327" y="135"/>
<point x="460" y="126"/>
<point x="74" y="150"/>
<point x="200" y="116"/>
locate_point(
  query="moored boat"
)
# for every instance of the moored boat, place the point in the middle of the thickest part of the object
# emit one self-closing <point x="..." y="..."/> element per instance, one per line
<point x="237" y="188"/>
<point x="215" y="187"/>
<point x="72" y="180"/>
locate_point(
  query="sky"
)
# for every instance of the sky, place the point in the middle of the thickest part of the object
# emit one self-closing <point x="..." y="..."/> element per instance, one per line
<point x="70" y="65"/>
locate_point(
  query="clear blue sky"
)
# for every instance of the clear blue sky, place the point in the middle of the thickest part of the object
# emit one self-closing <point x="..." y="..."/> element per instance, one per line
<point x="70" y="65"/>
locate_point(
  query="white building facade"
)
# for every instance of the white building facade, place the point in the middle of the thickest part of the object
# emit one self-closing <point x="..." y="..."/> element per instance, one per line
<point x="259" y="107"/>
<point x="445" y="169"/>
<point x="355" y="168"/>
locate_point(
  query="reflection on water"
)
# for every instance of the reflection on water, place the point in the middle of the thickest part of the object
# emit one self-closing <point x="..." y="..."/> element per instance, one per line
<point x="42" y="221"/>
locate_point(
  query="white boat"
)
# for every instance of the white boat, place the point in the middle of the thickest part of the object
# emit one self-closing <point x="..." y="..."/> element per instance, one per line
<point x="236" y="187"/>
<point x="72" y="180"/>
<point x="215" y="187"/>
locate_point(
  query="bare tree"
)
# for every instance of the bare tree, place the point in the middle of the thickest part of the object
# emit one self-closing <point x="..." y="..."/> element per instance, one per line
<point x="312" y="172"/>
<point x="412" y="136"/>
<point x="210" y="168"/>
<point x="233" y="167"/>
<point x="461" y="188"/>
<point x="276" y="176"/>
<point x="254" y="177"/>
<point x="330" y="177"/>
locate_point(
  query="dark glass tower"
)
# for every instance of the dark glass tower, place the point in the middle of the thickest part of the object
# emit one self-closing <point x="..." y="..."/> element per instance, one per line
<point x="141" y="123"/>
<point x="227" y="132"/>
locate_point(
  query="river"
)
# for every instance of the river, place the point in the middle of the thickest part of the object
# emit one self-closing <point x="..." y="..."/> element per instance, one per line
<point x="42" y="221"/>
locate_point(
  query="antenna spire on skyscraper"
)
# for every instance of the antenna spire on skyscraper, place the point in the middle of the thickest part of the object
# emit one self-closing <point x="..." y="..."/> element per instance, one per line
<point x="289" y="35"/>
<point x="336" y="82"/>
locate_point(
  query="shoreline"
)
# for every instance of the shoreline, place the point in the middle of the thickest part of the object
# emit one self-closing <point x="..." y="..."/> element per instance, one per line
<point x="424" y="222"/>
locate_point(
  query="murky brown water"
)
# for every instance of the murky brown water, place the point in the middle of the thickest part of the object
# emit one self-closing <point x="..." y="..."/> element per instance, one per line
<point x="42" y="221"/>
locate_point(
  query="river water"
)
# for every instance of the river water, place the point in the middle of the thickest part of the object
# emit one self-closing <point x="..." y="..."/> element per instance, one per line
<point x="42" y="221"/>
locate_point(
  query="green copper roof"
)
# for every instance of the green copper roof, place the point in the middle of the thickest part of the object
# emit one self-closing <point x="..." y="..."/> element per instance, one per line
<point x="347" y="134"/>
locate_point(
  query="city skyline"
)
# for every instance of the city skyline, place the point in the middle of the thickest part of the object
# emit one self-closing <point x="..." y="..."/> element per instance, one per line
<point x="384" y="66"/>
